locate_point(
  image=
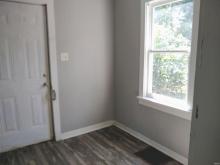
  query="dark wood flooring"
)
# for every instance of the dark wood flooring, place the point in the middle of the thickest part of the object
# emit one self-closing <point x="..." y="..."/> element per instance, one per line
<point x="109" y="146"/>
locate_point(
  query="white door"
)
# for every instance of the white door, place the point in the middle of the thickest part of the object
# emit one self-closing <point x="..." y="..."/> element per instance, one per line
<point x="205" y="133"/>
<point x="24" y="100"/>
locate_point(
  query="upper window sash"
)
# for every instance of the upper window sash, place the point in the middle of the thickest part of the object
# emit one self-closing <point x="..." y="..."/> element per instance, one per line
<point x="149" y="23"/>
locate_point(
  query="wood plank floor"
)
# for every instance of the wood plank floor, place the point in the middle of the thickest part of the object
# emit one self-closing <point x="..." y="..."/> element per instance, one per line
<point x="109" y="146"/>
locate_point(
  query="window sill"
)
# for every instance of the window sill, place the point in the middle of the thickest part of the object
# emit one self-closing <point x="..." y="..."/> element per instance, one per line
<point x="175" y="110"/>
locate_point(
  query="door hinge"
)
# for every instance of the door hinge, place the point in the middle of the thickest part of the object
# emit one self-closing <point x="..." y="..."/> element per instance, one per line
<point x="53" y="95"/>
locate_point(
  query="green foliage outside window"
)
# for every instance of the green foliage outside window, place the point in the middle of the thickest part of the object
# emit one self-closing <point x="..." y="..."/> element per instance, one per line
<point x="172" y="30"/>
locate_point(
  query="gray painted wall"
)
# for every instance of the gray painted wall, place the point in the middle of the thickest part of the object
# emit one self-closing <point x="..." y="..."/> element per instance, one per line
<point x="165" y="129"/>
<point x="85" y="30"/>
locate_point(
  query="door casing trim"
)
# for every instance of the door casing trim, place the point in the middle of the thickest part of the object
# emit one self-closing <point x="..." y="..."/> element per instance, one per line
<point x="52" y="53"/>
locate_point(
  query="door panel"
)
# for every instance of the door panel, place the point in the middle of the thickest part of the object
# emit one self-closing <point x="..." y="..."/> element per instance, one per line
<point x="24" y="101"/>
<point x="33" y="59"/>
<point x="37" y="110"/>
<point x="9" y="115"/>
<point x="5" y="71"/>
<point x="205" y="132"/>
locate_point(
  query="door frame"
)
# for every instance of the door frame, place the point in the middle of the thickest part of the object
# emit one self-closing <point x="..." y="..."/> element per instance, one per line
<point x="52" y="53"/>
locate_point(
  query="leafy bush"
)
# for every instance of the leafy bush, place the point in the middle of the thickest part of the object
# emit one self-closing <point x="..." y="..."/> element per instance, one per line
<point x="172" y="30"/>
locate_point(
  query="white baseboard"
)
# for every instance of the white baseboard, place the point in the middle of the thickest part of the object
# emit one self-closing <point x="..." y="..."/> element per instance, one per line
<point x="87" y="129"/>
<point x="136" y="134"/>
<point x="154" y="144"/>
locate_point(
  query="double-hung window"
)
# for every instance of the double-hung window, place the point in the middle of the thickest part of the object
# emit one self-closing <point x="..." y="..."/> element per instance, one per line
<point x="168" y="55"/>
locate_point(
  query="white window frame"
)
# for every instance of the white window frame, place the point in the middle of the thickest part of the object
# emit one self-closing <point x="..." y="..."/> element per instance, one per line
<point x="156" y="101"/>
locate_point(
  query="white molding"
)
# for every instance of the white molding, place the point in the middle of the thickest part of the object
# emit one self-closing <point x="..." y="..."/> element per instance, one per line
<point x="152" y="143"/>
<point x="87" y="129"/>
<point x="177" y="110"/>
<point x="53" y="67"/>
<point x="194" y="48"/>
<point x="136" y="134"/>
<point x="142" y="61"/>
<point x="49" y="4"/>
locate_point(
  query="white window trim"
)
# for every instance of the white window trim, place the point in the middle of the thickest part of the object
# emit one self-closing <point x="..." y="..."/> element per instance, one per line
<point x="184" y="112"/>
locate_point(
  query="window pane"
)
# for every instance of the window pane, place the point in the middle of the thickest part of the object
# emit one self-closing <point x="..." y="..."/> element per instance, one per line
<point x="172" y="25"/>
<point x="170" y="74"/>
